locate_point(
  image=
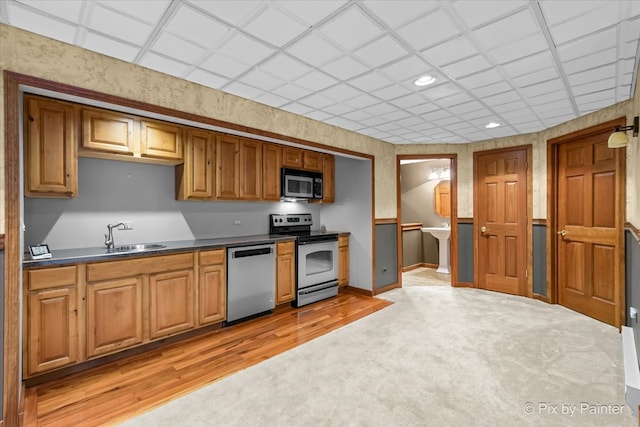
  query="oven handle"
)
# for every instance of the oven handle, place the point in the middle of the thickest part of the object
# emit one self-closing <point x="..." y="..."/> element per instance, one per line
<point x="317" y="239"/>
<point x="330" y="285"/>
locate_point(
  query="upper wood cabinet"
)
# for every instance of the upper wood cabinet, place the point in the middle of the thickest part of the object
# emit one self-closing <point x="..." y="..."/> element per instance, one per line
<point x="285" y="272"/>
<point x="49" y="148"/>
<point x="227" y="167"/>
<point x="271" y="165"/>
<point x="250" y="153"/>
<point x="312" y="161"/>
<point x="108" y="131"/>
<point x="292" y="157"/>
<point x="442" y="198"/>
<point x="160" y="140"/>
<point x="328" y="178"/>
<point x="195" y="177"/>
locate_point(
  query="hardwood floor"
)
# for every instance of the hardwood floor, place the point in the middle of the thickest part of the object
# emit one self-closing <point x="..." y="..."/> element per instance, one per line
<point x="125" y="388"/>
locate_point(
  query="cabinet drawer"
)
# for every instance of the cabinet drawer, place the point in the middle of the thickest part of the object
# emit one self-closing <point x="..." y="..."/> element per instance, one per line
<point x="134" y="267"/>
<point x="284" y="248"/>
<point x="212" y="257"/>
<point x="52" y="277"/>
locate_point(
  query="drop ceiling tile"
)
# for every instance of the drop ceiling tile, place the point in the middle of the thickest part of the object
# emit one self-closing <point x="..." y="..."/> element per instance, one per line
<point x="388" y="127"/>
<point x="518" y="115"/>
<point x="501" y="98"/>
<point x="592" y="75"/>
<point x="122" y="27"/>
<point x="316" y="100"/>
<point x="362" y="101"/>
<point x="338" y="121"/>
<point x="310" y="11"/>
<point x="272" y="100"/>
<point x="626" y="66"/>
<point x="318" y="115"/>
<point x="589" y="107"/>
<point x="424" y="126"/>
<point x="177" y="48"/>
<point x="382" y="51"/>
<point x="450" y="51"/>
<point x="534" y="126"/>
<point x="585" y="24"/>
<point x="245" y="50"/>
<point x="410" y="121"/>
<point x="437" y="115"/>
<point x="291" y="91"/>
<point x="315" y="80"/>
<point x="471" y="115"/>
<point x="53" y="28"/>
<point x="297" y="108"/>
<point x="474" y="13"/>
<point x="630" y="29"/>
<point x="399" y="12"/>
<point x="224" y="66"/>
<point x="467" y="66"/>
<point x="441" y="91"/>
<point x="446" y="122"/>
<point x="509" y="106"/>
<point x="410" y="100"/>
<point x="440" y="27"/>
<point x="196" y="27"/>
<point x="545" y="87"/>
<point x="275" y="27"/>
<point x="143" y="10"/>
<point x="371" y="82"/>
<point x="206" y="78"/>
<point x="67" y="9"/>
<point x="481" y="79"/>
<point x="357" y="115"/>
<point x="381" y="109"/>
<point x="110" y="47"/>
<point x="397" y="115"/>
<point x="164" y="64"/>
<point x="259" y="78"/>
<point x="513" y="50"/>
<point x="407" y="69"/>
<point x="341" y="92"/>
<point x="559" y="11"/>
<point x="285" y="67"/>
<point x="453" y="100"/>
<point x="391" y="92"/>
<point x="628" y="50"/>
<point x="372" y="121"/>
<point x="604" y="95"/>
<point x="461" y="109"/>
<point x="351" y="29"/>
<point x="233" y="12"/>
<point x="529" y="64"/>
<point x="314" y="50"/>
<point x="492" y="89"/>
<point x="556" y="120"/>
<point x="546" y="98"/>
<point x="518" y="26"/>
<point x="345" y="68"/>
<point x="591" y="61"/>
<point x="536" y="77"/>
<point x="421" y="109"/>
<point x="588" y="45"/>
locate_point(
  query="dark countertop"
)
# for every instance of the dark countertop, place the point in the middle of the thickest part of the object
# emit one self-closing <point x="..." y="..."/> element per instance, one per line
<point x="72" y="256"/>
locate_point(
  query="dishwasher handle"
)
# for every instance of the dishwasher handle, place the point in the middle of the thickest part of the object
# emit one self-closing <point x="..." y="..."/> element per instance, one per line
<point x="252" y="252"/>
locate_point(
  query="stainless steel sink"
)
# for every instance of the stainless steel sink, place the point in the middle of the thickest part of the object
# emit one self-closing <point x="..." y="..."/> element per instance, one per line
<point x="138" y="247"/>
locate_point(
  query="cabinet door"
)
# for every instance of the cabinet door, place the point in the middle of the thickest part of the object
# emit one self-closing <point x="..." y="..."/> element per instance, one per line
<point x="212" y="294"/>
<point x="107" y="131"/>
<point x="285" y="272"/>
<point x="171" y="303"/>
<point x="227" y="167"/>
<point x="194" y="178"/>
<point x="160" y="140"/>
<point x="328" y="181"/>
<point x="114" y="315"/>
<point x="312" y="161"/>
<point x="52" y="329"/>
<point x="49" y="148"/>
<point x="343" y="260"/>
<point x="250" y="169"/>
<point x="292" y="157"/>
<point x="271" y="165"/>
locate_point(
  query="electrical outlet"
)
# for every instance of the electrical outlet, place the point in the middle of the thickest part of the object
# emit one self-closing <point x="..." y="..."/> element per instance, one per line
<point x="236" y="222"/>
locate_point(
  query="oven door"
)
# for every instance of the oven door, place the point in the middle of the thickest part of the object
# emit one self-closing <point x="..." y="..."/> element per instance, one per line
<point x="317" y="262"/>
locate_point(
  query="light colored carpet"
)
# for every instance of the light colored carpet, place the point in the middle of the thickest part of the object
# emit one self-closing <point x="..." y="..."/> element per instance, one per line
<point x="439" y="356"/>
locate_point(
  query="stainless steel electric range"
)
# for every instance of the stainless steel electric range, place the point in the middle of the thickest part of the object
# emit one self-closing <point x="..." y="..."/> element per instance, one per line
<point x="316" y="257"/>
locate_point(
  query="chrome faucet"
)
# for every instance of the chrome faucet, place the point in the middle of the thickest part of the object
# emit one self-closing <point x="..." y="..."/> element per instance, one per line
<point x="108" y="238"/>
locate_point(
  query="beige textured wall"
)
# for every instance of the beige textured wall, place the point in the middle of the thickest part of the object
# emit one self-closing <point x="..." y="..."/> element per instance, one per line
<point x="633" y="167"/>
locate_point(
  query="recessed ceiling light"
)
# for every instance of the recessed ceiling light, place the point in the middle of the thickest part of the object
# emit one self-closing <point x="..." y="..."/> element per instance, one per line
<point x="492" y="125"/>
<point x="425" y="80"/>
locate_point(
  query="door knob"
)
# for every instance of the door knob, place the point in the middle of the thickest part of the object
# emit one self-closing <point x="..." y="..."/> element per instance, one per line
<point x="483" y="229"/>
<point x="562" y="232"/>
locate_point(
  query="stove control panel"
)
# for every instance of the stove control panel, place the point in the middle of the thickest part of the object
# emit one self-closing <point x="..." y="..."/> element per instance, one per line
<point x="288" y="220"/>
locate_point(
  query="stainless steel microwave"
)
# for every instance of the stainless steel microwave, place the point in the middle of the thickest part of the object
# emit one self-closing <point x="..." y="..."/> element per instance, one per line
<point x="299" y="184"/>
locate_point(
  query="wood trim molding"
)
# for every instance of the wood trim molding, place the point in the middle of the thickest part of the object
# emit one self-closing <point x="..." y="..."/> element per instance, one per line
<point x="1" y="242"/>
<point x="541" y="221"/>
<point x="411" y="226"/>
<point x="543" y="298"/>
<point x="380" y="221"/>
<point x="418" y="265"/>
<point x="465" y="285"/>
<point x="386" y="288"/>
<point x="358" y="291"/>
<point x="635" y="232"/>
<point x="465" y="220"/>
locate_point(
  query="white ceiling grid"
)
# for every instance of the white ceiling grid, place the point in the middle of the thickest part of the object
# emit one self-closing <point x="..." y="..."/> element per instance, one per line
<point x="527" y="65"/>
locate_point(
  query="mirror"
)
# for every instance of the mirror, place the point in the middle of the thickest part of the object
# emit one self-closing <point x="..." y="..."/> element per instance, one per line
<point x="442" y="199"/>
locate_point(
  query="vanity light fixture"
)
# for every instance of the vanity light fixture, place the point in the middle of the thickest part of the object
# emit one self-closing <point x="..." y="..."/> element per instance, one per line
<point x="618" y="138"/>
<point x="440" y="173"/>
<point x="425" y="80"/>
<point x="492" y="125"/>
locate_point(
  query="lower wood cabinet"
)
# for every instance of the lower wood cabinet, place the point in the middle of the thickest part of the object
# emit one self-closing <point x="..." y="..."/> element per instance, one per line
<point x="343" y="260"/>
<point x="114" y="315"/>
<point x="170" y="303"/>
<point x="285" y="272"/>
<point x="212" y="287"/>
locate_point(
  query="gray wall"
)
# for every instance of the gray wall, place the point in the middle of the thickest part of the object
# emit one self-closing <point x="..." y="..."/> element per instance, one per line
<point x="411" y="247"/>
<point x="540" y="259"/>
<point x="386" y="255"/>
<point x="465" y="252"/>
<point x="632" y="278"/>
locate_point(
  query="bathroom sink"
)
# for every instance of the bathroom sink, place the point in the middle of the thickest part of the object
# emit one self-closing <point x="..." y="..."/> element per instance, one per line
<point x="138" y="247"/>
<point x="438" y="232"/>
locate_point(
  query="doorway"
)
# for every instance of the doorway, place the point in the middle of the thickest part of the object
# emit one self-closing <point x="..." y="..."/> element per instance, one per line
<point x="502" y="219"/>
<point x="587" y="210"/>
<point x="427" y="214"/>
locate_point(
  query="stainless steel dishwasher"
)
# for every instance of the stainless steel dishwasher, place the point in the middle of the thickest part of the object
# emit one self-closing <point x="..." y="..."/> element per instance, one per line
<point x="251" y="281"/>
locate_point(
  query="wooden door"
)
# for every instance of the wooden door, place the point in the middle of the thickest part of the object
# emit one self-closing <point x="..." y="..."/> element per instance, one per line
<point x="500" y="206"/>
<point x="49" y="148"/>
<point x="271" y="165"/>
<point x="194" y="178"/>
<point x="285" y="272"/>
<point x="227" y="167"/>
<point x="250" y="153"/>
<point x="114" y="315"/>
<point x="589" y="227"/>
<point x="171" y="303"/>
